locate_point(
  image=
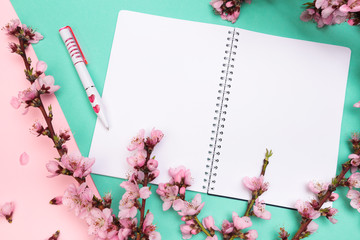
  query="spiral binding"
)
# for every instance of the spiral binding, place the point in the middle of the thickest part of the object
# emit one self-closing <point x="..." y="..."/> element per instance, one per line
<point x="220" y="112"/>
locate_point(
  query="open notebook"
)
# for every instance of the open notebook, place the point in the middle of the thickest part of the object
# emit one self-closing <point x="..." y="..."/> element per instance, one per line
<point x="222" y="95"/>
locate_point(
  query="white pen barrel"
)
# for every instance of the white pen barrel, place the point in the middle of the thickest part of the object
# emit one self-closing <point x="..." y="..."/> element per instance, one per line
<point x="84" y="75"/>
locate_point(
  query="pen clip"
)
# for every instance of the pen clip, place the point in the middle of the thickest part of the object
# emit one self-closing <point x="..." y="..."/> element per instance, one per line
<point x="77" y="43"/>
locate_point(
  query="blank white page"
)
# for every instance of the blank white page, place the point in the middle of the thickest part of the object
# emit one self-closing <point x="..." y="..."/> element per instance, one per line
<point x="163" y="73"/>
<point x="286" y="95"/>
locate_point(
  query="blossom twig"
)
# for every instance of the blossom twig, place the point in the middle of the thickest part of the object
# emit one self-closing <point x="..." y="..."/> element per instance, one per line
<point x="325" y="193"/>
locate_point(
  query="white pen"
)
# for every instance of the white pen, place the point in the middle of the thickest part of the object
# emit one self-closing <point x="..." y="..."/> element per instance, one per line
<point x="79" y="62"/>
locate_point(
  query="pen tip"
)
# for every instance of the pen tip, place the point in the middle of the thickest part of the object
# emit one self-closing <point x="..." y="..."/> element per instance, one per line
<point x="107" y="128"/>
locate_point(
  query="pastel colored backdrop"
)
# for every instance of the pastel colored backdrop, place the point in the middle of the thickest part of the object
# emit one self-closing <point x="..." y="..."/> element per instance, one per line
<point x="28" y="185"/>
<point x="94" y="24"/>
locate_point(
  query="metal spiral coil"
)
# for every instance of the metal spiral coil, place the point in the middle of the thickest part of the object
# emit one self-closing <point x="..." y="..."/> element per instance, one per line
<point x="220" y="111"/>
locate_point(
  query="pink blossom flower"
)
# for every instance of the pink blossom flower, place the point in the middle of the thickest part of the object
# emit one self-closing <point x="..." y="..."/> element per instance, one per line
<point x="330" y="213"/>
<point x="256" y="183"/>
<point x="35" y="37"/>
<point x="351" y="6"/>
<point x="307" y="15"/>
<point x="229" y="11"/>
<point x="24" y="158"/>
<point x="64" y="135"/>
<point x="333" y="197"/>
<point x="137" y="142"/>
<point x="312" y="227"/>
<point x="41" y="67"/>
<point x="355" y="162"/>
<point x="186" y="230"/>
<point x="355" y="199"/>
<point x="127" y="212"/>
<point x="227" y="227"/>
<point x="79" y="165"/>
<point x="7" y="210"/>
<point x="306" y="210"/>
<point x="154" y="174"/>
<point x="54" y="168"/>
<point x="124" y="233"/>
<point x="283" y="234"/>
<point x="138" y="160"/>
<point x="317" y="187"/>
<point x="99" y="223"/>
<point x="259" y="210"/>
<point x="25" y="97"/>
<point x="232" y="16"/>
<point x="327" y="14"/>
<point x="193" y="208"/>
<point x="144" y="192"/>
<point x="12" y="26"/>
<point x="209" y="223"/>
<point x="241" y="222"/>
<point x="357" y="105"/>
<point x="29" y="94"/>
<point x="216" y="4"/>
<point x="37" y="128"/>
<point x="155" y="138"/>
<point x="129" y="224"/>
<point x="354" y="180"/>
<point x="149" y="228"/>
<point x="251" y="235"/>
<point x="152" y="164"/>
<point x="79" y="199"/>
<point x="133" y="191"/>
<point x="168" y="193"/>
<point x="47" y="84"/>
<point x="179" y="175"/>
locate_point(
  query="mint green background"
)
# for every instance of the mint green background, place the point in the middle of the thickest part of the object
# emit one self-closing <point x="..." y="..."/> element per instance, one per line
<point x="94" y="24"/>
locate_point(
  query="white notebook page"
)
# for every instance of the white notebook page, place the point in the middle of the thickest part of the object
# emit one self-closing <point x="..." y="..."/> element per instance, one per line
<point x="163" y="73"/>
<point x="286" y="95"/>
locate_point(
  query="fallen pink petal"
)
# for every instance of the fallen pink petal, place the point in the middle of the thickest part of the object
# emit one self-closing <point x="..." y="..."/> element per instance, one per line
<point x="24" y="158"/>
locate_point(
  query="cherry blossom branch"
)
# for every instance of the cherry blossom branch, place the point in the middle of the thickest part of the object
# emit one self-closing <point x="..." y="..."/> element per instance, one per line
<point x="325" y="193"/>
<point x="262" y="187"/>
<point x="31" y="78"/>
<point x="336" y="183"/>
<point x="325" y="12"/>
<point x="173" y="195"/>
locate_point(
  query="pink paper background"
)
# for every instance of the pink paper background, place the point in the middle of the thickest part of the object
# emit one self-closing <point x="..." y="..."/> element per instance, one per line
<point x="28" y="186"/>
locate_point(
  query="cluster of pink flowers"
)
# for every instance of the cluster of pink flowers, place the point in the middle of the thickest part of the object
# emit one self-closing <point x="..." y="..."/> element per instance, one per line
<point x="228" y="9"/>
<point x="40" y="85"/>
<point x="75" y="165"/>
<point x="310" y="210"/>
<point x="354" y="182"/>
<point x="144" y="170"/>
<point x="173" y="195"/>
<point x="329" y="12"/>
<point x="15" y="28"/>
<point x="103" y="224"/>
<point x="7" y="211"/>
<point x="257" y="186"/>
